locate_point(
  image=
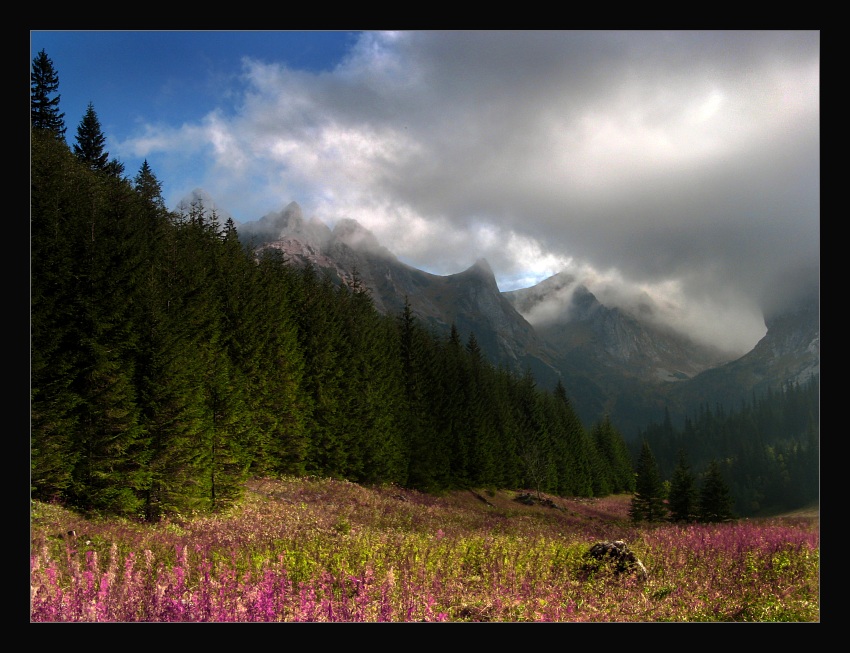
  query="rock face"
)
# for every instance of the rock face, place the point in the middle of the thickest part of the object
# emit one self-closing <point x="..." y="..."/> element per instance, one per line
<point x="616" y="555"/>
<point x="611" y="362"/>
<point x="788" y="353"/>
<point x="470" y="300"/>
<point x="570" y="319"/>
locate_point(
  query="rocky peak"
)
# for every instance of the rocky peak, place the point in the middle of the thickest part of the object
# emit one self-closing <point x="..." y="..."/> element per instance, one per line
<point x="354" y="235"/>
<point x="288" y="223"/>
<point x="479" y="273"/>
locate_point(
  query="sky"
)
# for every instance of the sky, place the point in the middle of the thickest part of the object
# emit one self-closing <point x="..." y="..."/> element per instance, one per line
<point x="673" y="172"/>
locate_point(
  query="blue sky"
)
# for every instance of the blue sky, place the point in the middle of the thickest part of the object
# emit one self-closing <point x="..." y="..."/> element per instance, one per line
<point x="137" y="79"/>
<point x="676" y="173"/>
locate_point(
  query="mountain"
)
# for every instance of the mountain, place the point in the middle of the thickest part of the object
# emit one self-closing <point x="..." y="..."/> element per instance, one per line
<point x="470" y="300"/>
<point x="788" y="353"/>
<point x="611" y="362"/>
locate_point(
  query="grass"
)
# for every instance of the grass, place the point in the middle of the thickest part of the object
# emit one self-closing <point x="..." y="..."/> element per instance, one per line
<point x="326" y="550"/>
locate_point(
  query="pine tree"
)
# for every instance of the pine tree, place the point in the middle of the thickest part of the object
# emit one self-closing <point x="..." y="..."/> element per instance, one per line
<point x="44" y="109"/>
<point x="715" y="500"/>
<point x="168" y="367"/>
<point x="648" y="500"/>
<point x="535" y="450"/>
<point x="87" y="439"/>
<point x="91" y="141"/>
<point x="615" y="463"/>
<point x="417" y="383"/>
<point x="273" y="362"/>
<point x="484" y="439"/>
<point x="54" y="339"/>
<point x="575" y="469"/>
<point x="148" y="186"/>
<point x="683" y="492"/>
<point x="115" y="169"/>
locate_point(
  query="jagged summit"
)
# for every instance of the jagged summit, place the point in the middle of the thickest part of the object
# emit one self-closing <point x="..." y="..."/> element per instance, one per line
<point x="289" y="222"/>
<point x="613" y="362"/>
<point x="352" y="234"/>
<point x="483" y="265"/>
<point x="480" y="272"/>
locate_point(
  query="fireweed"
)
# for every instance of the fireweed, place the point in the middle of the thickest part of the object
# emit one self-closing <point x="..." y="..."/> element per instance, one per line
<point x="282" y="556"/>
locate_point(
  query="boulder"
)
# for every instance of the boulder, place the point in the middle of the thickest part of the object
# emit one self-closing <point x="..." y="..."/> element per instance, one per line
<point x="617" y="555"/>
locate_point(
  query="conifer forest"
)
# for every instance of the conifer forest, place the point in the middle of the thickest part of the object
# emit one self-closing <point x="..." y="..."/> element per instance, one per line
<point x="171" y="363"/>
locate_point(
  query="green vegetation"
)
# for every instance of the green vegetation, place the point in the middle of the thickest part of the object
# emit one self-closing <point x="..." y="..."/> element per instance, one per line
<point x="767" y="451"/>
<point x="218" y="436"/>
<point x="321" y="550"/>
<point x="170" y="363"/>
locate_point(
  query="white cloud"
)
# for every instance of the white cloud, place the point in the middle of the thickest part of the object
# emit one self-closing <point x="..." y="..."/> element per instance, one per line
<point x="687" y="161"/>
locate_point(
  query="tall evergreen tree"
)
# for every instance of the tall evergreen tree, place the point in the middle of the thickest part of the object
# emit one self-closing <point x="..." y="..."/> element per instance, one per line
<point x="89" y="146"/>
<point x="484" y="453"/>
<point x="115" y="169"/>
<point x="715" y="501"/>
<point x="321" y="331"/>
<point x="274" y="365"/>
<point x="575" y="474"/>
<point x="615" y="462"/>
<point x="44" y="106"/>
<point x="169" y="365"/>
<point x="370" y="390"/>
<point x="54" y="212"/>
<point x="417" y="383"/>
<point x="93" y="340"/>
<point x="683" y="491"/>
<point x="148" y="186"/>
<point x="648" y="500"/>
<point x="534" y="442"/>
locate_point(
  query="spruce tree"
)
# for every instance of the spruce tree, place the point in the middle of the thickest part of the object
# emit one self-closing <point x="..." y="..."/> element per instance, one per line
<point x="615" y="463"/>
<point x="44" y="109"/>
<point x="54" y="338"/>
<point x="683" y="491"/>
<point x="535" y="451"/>
<point x="484" y="458"/>
<point x="575" y="468"/>
<point x="274" y="364"/>
<point x="148" y="186"/>
<point x="168" y="367"/>
<point x="91" y="141"/>
<point x="715" y="500"/>
<point x="417" y="384"/>
<point x="648" y="500"/>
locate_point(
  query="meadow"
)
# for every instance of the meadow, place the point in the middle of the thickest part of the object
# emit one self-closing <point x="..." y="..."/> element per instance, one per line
<point x="322" y="550"/>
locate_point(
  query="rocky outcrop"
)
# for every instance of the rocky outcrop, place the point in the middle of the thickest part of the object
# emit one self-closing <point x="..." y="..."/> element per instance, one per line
<point x="616" y="556"/>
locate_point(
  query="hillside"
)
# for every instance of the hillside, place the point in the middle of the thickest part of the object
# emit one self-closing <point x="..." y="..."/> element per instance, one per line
<point x="327" y="505"/>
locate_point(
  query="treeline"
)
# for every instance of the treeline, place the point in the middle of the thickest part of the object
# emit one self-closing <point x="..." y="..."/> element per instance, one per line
<point x="169" y="363"/>
<point x="768" y="450"/>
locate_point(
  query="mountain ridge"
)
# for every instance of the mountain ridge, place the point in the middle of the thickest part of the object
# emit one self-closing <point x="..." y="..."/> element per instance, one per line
<point x="611" y="362"/>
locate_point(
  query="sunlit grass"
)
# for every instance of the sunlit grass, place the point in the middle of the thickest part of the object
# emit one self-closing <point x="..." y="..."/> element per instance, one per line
<point x="324" y="550"/>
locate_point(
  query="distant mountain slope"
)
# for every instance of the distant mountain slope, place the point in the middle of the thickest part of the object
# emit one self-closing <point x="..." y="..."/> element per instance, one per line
<point x="788" y="353"/>
<point x="611" y="362"/>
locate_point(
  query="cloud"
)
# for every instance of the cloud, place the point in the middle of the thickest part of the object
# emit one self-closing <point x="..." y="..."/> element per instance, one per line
<point x="679" y="166"/>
